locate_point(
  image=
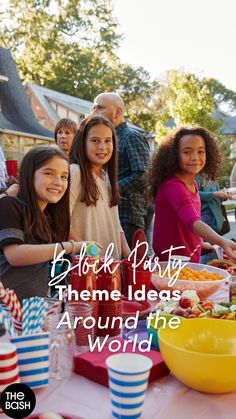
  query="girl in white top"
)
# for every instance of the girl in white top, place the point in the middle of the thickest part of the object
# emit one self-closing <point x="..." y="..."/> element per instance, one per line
<point x="94" y="194"/>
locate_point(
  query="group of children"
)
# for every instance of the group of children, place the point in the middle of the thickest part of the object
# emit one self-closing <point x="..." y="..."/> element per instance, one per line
<point x="64" y="203"/>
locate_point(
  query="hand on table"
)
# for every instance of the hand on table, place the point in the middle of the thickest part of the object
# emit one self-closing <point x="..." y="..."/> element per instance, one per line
<point x="229" y="247"/>
<point x="208" y="246"/>
<point x="223" y="194"/>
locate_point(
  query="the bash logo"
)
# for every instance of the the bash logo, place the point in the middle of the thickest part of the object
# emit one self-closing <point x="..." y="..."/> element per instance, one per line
<point x="18" y="401"/>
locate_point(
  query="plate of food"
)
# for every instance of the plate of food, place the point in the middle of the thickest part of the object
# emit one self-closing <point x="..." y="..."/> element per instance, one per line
<point x="190" y="306"/>
<point x="225" y="264"/>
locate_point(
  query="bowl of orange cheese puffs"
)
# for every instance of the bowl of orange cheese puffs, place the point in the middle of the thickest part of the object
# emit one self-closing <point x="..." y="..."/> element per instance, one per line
<point x="203" y="279"/>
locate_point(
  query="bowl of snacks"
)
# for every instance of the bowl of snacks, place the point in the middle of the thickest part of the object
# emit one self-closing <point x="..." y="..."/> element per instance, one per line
<point x="201" y="353"/>
<point x="203" y="279"/>
<point x="225" y="264"/>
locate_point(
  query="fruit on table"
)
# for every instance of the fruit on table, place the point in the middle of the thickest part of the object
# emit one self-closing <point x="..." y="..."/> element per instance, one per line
<point x="185" y="302"/>
<point x="179" y="312"/>
<point x="207" y="305"/>
<point x="192" y="296"/>
<point x="190" y="306"/>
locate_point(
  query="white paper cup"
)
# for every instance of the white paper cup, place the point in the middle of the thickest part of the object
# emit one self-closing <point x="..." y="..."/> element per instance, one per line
<point x="128" y="380"/>
<point x="33" y="359"/>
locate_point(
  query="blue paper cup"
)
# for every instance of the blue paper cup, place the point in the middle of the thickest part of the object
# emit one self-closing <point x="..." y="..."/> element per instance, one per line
<point x="33" y="358"/>
<point x="128" y="379"/>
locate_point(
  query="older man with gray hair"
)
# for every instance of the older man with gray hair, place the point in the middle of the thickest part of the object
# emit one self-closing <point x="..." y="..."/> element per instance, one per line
<point x="133" y="164"/>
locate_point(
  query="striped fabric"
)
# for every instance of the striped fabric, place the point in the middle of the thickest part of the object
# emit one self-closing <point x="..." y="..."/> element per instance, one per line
<point x="33" y="359"/>
<point x="128" y="383"/>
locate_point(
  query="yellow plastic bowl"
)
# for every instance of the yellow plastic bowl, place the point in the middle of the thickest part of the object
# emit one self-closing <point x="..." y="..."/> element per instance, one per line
<point x="202" y="354"/>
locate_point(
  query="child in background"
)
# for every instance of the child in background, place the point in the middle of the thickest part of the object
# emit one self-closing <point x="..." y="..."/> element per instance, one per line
<point x="64" y="134"/>
<point x="233" y="182"/>
<point x="183" y="155"/>
<point x="32" y="222"/>
<point x="211" y="197"/>
<point x="94" y="195"/>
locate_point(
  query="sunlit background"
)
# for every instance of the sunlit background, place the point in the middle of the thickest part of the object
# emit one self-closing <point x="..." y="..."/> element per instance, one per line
<point x="198" y="36"/>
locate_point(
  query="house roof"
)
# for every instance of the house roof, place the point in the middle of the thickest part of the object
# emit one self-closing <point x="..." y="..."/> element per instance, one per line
<point x="81" y="106"/>
<point x="16" y="114"/>
<point x="44" y="95"/>
<point x="228" y="127"/>
<point x="229" y="123"/>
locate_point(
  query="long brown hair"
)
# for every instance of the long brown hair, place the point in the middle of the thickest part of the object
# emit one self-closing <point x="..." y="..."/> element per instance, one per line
<point x="53" y="224"/>
<point x="78" y="155"/>
<point x="165" y="162"/>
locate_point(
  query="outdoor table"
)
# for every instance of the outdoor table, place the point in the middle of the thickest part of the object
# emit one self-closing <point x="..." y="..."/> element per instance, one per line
<point x="166" y="398"/>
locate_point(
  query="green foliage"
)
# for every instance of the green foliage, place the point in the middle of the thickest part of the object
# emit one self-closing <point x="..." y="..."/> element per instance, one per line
<point x="187" y="100"/>
<point x="72" y="48"/>
<point x="221" y="94"/>
<point x="183" y="99"/>
<point x="226" y="144"/>
<point x="136" y="89"/>
<point x="58" y="30"/>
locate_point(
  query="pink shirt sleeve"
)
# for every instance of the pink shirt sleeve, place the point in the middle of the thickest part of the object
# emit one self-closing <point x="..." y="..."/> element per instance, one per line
<point x="185" y="203"/>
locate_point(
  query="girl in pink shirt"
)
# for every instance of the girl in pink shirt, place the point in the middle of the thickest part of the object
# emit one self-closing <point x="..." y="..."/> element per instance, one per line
<point x="178" y="160"/>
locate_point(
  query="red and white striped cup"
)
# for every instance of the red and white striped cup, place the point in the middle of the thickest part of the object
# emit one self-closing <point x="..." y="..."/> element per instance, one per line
<point x="9" y="372"/>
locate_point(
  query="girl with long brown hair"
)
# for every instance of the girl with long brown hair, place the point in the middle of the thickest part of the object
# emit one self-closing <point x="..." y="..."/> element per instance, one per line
<point x="94" y="193"/>
<point x="34" y="221"/>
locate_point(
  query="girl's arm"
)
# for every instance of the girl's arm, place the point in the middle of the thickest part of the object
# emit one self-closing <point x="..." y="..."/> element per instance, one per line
<point x="206" y="232"/>
<point x="74" y="185"/>
<point x="74" y="236"/>
<point x="30" y="254"/>
<point x="11" y="191"/>
<point x="125" y="250"/>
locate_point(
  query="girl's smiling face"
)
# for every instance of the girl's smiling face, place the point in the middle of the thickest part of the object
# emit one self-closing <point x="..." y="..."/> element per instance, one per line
<point x="51" y="181"/>
<point x="99" y="146"/>
<point x="192" y="155"/>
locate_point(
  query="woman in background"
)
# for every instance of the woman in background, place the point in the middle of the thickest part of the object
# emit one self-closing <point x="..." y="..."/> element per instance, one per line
<point x="64" y="133"/>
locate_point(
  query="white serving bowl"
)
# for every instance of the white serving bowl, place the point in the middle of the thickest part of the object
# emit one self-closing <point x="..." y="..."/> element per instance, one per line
<point x="202" y="288"/>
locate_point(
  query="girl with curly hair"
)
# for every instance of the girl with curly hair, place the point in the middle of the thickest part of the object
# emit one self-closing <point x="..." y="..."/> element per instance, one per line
<point x="184" y="154"/>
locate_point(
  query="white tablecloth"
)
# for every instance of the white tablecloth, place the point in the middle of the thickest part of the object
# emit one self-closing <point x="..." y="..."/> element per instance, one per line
<point x="165" y="399"/>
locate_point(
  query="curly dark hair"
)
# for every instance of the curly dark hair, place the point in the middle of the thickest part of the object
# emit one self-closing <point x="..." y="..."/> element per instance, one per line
<point x="165" y="162"/>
